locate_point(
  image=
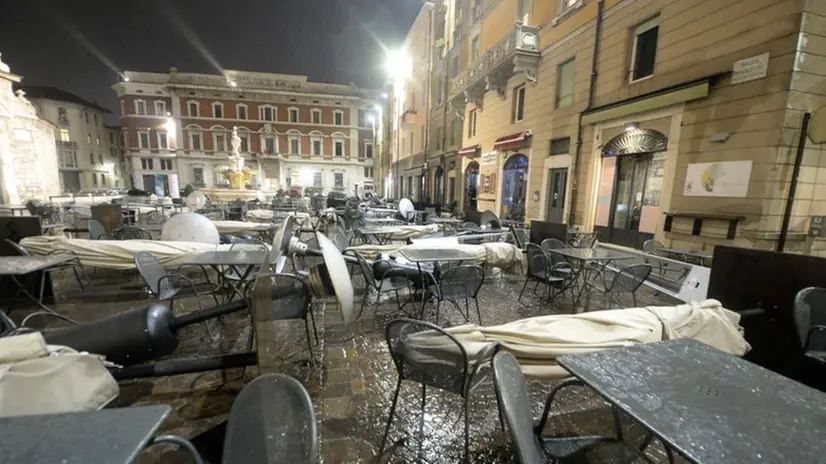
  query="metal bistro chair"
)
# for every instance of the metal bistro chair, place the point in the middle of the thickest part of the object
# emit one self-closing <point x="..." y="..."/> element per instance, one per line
<point x="392" y="280"/>
<point x="536" y="269"/>
<point x="169" y="287"/>
<point x="471" y="226"/>
<point x="97" y="231"/>
<point x="232" y="275"/>
<point x="810" y="322"/>
<point x="625" y="280"/>
<point x="653" y="247"/>
<point x="459" y="282"/>
<point x="448" y="369"/>
<point x="291" y="300"/>
<point x="515" y="406"/>
<point x="273" y="421"/>
<point x="74" y="264"/>
<point x="131" y="233"/>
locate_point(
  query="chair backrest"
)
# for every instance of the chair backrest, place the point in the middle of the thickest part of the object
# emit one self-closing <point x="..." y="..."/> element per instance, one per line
<point x="290" y="295"/>
<point x="532" y="250"/>
<point x="652" y="247"/>
<point x="462" y="281"/>
<point x="471" y="226"/>
<point x="366" y="270"/>
<point x="96" y="229"/>
<point x="515" y="406"/>
<point x="810" y="311"/>
<point x="424" y="353"/>
<point x="131" y="233"/>
<point x="19" y="249"/>
<point x="630" y="278"/>
<point x="151" y="270"/>
<point x="552" y="244"/>
<point x="271" y="420"/>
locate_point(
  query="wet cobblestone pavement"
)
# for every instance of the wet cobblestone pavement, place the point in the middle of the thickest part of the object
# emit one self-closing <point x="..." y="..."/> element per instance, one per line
<point x="352" y="380"/>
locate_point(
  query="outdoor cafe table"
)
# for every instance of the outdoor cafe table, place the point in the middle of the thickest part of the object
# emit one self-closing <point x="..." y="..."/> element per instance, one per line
<point x="601" y="257"/>
<point x="380" y="220"/>
<point x="709" y="406"/>
<point x="422" y="254"/>
<point x="241" y="262"/>
<point x="382" y="234"/>
<point x="13" y="267"/>
<point x="108" y="436"/>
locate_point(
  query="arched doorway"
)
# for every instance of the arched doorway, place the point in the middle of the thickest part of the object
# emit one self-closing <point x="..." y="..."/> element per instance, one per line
<point x="438" y="185"/>
<point x="514" y="185"/>
<point x="631" y="182"/>
<point x="471" y="186"/>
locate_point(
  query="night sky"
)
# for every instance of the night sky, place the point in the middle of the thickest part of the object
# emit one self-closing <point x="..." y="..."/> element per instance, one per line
<point x="68" y="43"/>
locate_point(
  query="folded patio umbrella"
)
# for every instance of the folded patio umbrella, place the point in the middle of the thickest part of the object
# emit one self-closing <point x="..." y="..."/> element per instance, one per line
<point x="493" y="254"/>
<point x="538" y="341"/>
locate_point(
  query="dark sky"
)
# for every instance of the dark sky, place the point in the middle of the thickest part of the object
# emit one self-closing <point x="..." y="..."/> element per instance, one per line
<point x="65" y="43"/>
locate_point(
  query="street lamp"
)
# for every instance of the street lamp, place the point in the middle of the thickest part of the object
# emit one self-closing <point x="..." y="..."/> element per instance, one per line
<point x="398" y="65"/>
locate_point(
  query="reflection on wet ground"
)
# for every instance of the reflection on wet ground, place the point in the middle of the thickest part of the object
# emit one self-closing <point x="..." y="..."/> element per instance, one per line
<point x="353" y="379"/>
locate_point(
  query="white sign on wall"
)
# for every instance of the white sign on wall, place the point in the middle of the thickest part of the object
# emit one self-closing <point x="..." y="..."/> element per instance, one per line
<point x="489" y="158"/>
<point x="724" y="179"/>
<point x="750" y="69"/>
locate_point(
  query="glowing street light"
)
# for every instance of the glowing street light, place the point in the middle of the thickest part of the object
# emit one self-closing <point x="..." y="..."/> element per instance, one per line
<point x="398" y="65"/>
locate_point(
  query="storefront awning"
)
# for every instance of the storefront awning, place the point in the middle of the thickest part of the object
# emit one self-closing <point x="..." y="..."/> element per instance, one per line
<point x="471" y="151"/>
<point x="512" y="141"/>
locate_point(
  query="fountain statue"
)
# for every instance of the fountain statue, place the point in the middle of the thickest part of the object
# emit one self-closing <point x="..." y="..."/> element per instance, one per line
<point x="237" y="175"/>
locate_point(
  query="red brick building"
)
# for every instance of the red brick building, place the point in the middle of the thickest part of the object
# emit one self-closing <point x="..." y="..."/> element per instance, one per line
<point x="177" y="130"/>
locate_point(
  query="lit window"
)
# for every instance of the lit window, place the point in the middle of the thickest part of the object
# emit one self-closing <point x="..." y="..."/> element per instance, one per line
<point x="644" y="49"/>
<point x="519" y="103"/>
<point x="97" y="139"/>
<point x="89" y="139"/>
<point x="565" y="84"/>
<point x="64" y="135"/>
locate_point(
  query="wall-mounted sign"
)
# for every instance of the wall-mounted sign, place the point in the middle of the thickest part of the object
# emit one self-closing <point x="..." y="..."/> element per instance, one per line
<point x="489" y="158"/>
<point x="749" y="69"/>
<point x="725" y="179"/>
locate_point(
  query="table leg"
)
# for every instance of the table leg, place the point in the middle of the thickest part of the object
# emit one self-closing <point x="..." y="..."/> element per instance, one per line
<point x="44" y="308"/>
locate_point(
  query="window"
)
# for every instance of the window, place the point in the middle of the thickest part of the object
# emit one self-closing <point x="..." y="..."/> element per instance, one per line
<point x="524" y="12"/>
<point x="140" y="107"/>
<point x="68" y="159"/>
<point x="368" y="150"/>
<point x="147" y="164"/>
<point x="122" y="107"/>
<point x="474" y="48"/>
<point x="368" y="172"/>
<point x="339" y="147"/>
<point x="94" y="178"/>
<point x="293" y="113"/>
<point x="294" y="145"/>
<point x="338" y="118"/>
<point x="64" y="135"/>
<point x="454" y="67"/>
<point x="219" y="141"/>
<point x="338" y="180"/>
<point x="124" y="135"/>
<point x="195" y="140"/>
<point x="644" y="49"/>
<point x="96" y="119"/>
<point x="103" y="179"/>
<point x="565" y="84"/>
<point x="316" y="116"/>
<point x="97" y="139"/>
<point x="143" y="139"/>
<point x="92" y="159"/>
<point x="111" y="138"/>
<point x="518" y="103"/>
<point x="455" y="131"/>
<point x="193" y="109"/>
<point x="439" y="137"/>
<point x="100" y="158"/>
<point x="166" y="165"/>
<point x="198" y="176"/>
<point x="245" y="142"/>
<point x="269" y="145"/>
<point x="241" y="111"/>
<point x="412" y="140"/>
<point x="561" y="146"/>
<point x="162" y="141"/>
<point x="89" y="139"/>
<point x="266" y="113"/>
<point x="471" y="124"/>
<point x="316" y="147"/>
<point x="86" y="116"/>
<point x="160" y="108"/>
<point x="316" y="179"/>
<point x="363" y="119"/>
<point x="217" y="110"/>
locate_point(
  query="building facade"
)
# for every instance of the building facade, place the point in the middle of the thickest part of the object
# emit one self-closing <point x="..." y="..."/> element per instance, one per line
<point x="84" y="152"/>
<point x="28" y="157"/>
<point x="641" y="119"/>
<point x="177" y="131"/>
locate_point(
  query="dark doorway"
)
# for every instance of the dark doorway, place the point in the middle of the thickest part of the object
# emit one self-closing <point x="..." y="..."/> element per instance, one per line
<point x="438" y="185"/>
<point x="514" y="186"/>
<point x="471" y="186"/>
<point x="557" y="181"/>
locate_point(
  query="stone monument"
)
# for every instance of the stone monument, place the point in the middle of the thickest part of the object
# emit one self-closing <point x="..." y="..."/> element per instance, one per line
<point x="28" y="154"/>
<point x="237" y="175"/>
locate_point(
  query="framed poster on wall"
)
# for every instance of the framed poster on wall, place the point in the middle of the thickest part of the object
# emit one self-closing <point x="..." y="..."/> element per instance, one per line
<point x="722" y="179"/>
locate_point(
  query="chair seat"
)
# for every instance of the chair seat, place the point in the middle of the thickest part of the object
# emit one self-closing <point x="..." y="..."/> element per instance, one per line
<point x="186" y="291"/>
<point x="569" y="447"/>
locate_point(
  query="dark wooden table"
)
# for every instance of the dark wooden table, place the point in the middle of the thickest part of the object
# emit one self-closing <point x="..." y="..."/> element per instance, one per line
<point x="108" y="436"/>
<point x="709" y="406"/>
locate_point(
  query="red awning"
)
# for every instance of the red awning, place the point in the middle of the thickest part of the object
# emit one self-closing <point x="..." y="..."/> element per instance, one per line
<point x="470" y="151"/>
<point x="512" y="141"/>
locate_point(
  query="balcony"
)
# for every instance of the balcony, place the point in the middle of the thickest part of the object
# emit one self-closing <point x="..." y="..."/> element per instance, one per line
<point x="66" y="145"/>
<point x="409" y="118"/>
<point x="517" y="52"/>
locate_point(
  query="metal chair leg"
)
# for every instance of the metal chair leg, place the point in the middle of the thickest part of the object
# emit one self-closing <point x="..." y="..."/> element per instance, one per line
<point x="315" y="328"/>
<point x="467" y="429"/>
<point x="363" y="300"/>
<point x="42" y="286"/>
<point x="421" y="421"/>
<point x="478" y="314"/>
<point x="523" y="289"/>
<point x="309" y="340"/>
